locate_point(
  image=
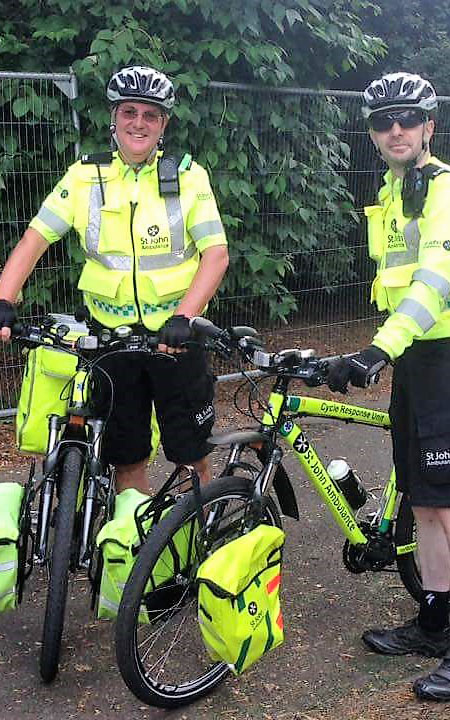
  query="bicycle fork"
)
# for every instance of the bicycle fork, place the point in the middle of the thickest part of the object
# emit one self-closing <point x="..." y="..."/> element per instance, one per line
<point x="45" y="502"/>
<point x="91" y="496"/>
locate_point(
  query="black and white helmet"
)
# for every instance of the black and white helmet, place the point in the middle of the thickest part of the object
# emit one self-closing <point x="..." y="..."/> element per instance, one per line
<point x="141" y="84"/>
<point x="396" y="90"/>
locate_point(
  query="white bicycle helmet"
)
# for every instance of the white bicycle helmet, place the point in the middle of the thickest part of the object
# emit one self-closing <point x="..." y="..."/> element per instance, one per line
<point x="141" y="84"/>
<point x="396" y="90"/>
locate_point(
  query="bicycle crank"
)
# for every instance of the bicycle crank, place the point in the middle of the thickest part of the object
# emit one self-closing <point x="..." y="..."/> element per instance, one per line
<point x="375" y="555"/>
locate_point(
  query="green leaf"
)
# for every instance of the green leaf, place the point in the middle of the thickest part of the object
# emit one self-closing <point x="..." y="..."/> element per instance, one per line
<point x="20" y="107"/>
<point x="256" y="262"/>
<point x="216" y="48"/>
<point x="212" y="158"/>
<point x="293" y="16"/>
<point x="253" y="139"/>
<point x="231" y="54"/>
<point x="304" y="214"/>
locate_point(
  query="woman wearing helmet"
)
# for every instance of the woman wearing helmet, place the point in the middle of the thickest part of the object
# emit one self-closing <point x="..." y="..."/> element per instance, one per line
<point x="155" y="254"/>
<point x="409" y="239"/>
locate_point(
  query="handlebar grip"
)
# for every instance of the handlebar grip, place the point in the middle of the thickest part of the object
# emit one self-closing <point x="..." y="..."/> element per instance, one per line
<point x="17" y="329"/>
<point x="205" y="327"/>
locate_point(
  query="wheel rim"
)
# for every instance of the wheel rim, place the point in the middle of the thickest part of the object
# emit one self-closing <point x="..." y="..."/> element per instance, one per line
<point x="168" y="649"/>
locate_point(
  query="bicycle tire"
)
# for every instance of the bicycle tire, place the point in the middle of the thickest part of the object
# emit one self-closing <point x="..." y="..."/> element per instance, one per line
<point x="60" y="560"/>
<point x="170" y="625"/>
<point x="405" y="533"/>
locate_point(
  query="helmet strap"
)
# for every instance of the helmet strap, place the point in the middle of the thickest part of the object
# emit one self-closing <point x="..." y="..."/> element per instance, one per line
<point x="425" y="149"/>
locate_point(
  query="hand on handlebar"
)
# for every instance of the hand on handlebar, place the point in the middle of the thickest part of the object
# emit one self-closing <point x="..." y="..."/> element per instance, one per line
<point x="8" y="317"/>
<point x="174" y="334"/>
<point x="360" y="369"/>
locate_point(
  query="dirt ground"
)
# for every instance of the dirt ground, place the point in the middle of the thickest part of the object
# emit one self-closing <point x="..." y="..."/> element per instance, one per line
<point x="322" y="672"/>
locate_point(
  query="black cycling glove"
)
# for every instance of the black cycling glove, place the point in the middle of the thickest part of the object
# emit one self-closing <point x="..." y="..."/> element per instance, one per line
<point x="359" y="369"/>
<point x="8" y="315"/>
<point x="175" y="332"/>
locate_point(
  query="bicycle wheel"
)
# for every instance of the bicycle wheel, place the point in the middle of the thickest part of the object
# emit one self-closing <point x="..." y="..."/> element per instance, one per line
<point x="405" y="533"/>
<point x="159" y="648"/>
<point x="60" y="560"/>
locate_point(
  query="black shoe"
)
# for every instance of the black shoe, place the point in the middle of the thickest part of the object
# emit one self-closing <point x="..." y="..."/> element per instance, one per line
<point x="436" y="685"/>
<point x="408" y="639"/>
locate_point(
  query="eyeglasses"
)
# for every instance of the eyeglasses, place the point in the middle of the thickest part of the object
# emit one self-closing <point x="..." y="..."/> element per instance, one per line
<point x="150" y="117"/>
<point x="407" y="119"/>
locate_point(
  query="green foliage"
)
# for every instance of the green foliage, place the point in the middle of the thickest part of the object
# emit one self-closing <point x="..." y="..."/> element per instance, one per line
<point x="417" y="36"/>
<point x="286" y="42"/>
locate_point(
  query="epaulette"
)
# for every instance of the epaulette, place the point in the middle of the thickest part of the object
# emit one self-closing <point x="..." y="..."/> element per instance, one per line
<point x="101" y="158"/>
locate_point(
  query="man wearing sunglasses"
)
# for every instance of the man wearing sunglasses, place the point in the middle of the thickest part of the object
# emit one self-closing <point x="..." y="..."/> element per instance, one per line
<point x="409" y="239"/>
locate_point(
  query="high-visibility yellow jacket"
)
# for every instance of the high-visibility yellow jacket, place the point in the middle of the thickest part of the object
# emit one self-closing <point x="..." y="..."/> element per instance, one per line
<point x="413" y="264"/>
<point x="142" y="250"/>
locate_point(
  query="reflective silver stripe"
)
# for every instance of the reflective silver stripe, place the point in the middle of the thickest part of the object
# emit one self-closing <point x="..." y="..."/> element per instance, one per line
<point x="202" y="230"/>
<point x="55" y="223"/>
<point x="434" y="280"/>
<point x="417" y="312"/>
<point x="112" y="262"/>
<point x="158" y="262"/>
<point x="177" y="255"/>
<point x="7" y="566"/>
<point x="411" y="253"/>
<point x="104" y="602"/>
<point x="176" y="224"/>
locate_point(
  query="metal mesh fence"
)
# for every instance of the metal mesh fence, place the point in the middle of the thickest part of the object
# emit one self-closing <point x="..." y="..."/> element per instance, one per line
<point x="38" y="141"/>
<point x="330" y="274"/>
<point x="331" y="312"/>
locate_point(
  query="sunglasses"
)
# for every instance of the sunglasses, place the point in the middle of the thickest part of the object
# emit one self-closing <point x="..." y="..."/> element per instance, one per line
<point x="407" y="119"/>
<point x="150" y="117"/>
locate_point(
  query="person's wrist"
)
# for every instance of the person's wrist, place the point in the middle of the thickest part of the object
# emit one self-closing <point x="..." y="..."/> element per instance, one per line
<point x="379" y="353"/>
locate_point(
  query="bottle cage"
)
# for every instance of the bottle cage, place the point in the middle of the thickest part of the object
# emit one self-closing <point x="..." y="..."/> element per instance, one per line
<point x="415" y="188"/>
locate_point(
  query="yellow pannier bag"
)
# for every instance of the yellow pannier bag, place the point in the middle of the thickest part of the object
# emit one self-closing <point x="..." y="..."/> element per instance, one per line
<point x="11" y="495"/>
<point x="119" y="542"/>
<point x="45" y="388"/>
<point x="239" y="598"/>
<point x="45" y="391"/>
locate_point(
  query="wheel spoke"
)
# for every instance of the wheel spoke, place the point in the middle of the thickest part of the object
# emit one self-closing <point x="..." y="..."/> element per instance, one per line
<point x="165" y="662"/>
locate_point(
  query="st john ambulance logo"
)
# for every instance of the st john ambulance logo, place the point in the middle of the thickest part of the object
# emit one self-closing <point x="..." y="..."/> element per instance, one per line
<point x="153" y="230"/>
<point x="252" y="608"/>
<point x="301" y="444"/>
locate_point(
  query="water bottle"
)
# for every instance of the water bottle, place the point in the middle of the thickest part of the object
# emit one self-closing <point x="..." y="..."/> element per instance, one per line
<point x="350" y="484"/>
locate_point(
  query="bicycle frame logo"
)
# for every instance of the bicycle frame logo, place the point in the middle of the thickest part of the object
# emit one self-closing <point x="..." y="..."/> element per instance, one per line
<point x="301" y="444"/>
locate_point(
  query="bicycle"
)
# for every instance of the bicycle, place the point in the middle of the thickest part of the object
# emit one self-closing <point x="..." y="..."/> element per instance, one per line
<point x="163" y="660"/>
<point x="77" y="489"/>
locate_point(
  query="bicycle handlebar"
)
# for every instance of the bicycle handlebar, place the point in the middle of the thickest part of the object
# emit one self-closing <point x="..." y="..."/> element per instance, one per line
<point x="241" y="339"/>
<point x="121" y="338"/>
<point x="292" y="362"/>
